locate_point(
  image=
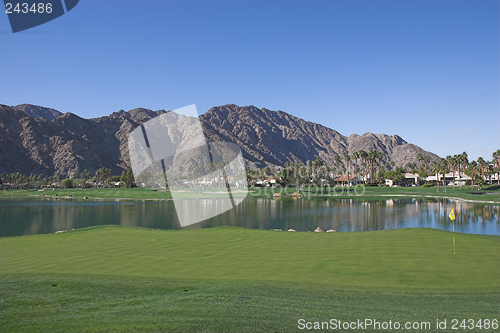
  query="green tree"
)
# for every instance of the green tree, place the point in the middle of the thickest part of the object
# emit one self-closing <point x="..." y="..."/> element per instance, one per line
<point x="67" y="183"/>
<point x="104" y="174"/>
<point x="396" y="176"/>
<point x="86" y="176"/>
<point x="127" y="177"/>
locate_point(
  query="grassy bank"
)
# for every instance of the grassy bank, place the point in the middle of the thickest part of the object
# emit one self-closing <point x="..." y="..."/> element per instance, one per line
<point x="372" y="193"/>
<point x="123" y="279"/>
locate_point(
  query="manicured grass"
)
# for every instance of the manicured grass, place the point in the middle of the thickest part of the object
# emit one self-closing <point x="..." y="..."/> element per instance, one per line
<point x="94" y="193"/>
<point x="402" y="259"/>
<point x="59" y="303"/>
<point x="377" y="193"/>
<point x="124" y="279"/>
<point x="368" y="193"/>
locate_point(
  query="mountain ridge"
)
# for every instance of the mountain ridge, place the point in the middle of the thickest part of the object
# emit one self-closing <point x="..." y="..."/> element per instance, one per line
<point x="39" y="142"/>
<point x="36" y="111"/>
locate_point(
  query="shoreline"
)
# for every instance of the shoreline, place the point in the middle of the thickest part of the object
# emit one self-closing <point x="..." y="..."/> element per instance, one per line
<point x="270" y="196"/>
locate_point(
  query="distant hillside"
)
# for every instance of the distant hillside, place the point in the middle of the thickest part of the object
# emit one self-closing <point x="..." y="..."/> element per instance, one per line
<point x="51" y="142"/>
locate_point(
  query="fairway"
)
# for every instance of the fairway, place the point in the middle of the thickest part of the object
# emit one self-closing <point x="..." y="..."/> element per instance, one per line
<point x="62" y="303"/>
<point x="126" y="279"/>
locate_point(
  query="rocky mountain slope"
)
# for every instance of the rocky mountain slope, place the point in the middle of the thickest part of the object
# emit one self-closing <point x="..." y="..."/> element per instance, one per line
<point x="42" y="140"/>
<point x="277" y="137"/>
<point x="35" y="111"/>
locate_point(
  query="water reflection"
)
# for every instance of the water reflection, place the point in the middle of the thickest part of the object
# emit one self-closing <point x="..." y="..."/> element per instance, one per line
<point x="37" y="216"/>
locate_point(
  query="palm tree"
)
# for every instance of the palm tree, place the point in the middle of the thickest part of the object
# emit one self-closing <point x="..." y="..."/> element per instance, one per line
<point x="452" y="162"/>
<point x="427" y="160"/>
<point x="435" y="170"/>
<point x="317" y="164"/>
<point x="86" y="176"/>
<point x="471" y="168"/>
<point x="496" y="159"/>
<point x="461" y="161"/>
<point x="347" y="158"/>
<point x="411" y="166"/>
<point x="444" y="168"/>
<point x="364" y="156"/>
<point x="101" y="174"/>
<point x="489" y="170"/>
<point x="379" y="157"/>
<point x="481" y="166"/>
<point x="355" y="156"/>
<point x="127" y="177"/>
<point x="419" y="158"/>
<point x="313" y="167"/>
<point x="336" y="158"/>
<point x="372" y="156"/>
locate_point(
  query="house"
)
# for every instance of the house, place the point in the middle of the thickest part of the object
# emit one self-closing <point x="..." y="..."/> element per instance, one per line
<point x="342" y="180"/>
<point x="265" y="182"/>
<point x="271" y="181"/>
<point x="452" y="178"/>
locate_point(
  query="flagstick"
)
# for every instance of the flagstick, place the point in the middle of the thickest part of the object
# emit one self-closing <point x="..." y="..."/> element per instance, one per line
<point x="452" y="218"/>
<point x="453" y="237"/>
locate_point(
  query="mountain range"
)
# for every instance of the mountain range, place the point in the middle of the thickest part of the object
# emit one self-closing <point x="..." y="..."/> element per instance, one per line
<point x="35" y="139"/>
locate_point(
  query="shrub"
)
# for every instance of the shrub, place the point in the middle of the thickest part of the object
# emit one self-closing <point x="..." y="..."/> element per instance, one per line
<point x="67" y="183"/>
<point x="428" y="185"/>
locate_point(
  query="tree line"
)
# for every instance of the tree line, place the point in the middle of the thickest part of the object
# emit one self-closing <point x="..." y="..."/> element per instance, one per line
<point x="368" y="165"/>
<point x="103" y="176"/>
<point x="373" y="170"/>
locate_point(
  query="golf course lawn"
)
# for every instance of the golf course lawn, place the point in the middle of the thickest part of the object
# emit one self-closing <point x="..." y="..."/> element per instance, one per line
<point x="488" y="194"/>
<point x="125" y="279"/>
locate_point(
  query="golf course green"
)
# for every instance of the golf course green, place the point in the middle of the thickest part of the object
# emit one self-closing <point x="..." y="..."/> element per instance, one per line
<point x="125" y="279"/>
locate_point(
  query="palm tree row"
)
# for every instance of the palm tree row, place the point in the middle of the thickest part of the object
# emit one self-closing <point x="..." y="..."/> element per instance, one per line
<point x="459" y="164"/>
<point x="366" y="164"/>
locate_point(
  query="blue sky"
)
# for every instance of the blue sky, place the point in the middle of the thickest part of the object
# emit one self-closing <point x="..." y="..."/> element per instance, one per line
<point x="425" y="70"/>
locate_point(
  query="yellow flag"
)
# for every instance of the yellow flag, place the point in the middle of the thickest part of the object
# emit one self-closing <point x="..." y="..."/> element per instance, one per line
<point x="452" y="215"/>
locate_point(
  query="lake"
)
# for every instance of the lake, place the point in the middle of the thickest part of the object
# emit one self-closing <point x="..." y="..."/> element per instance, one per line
<point x="30" y="216"/>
